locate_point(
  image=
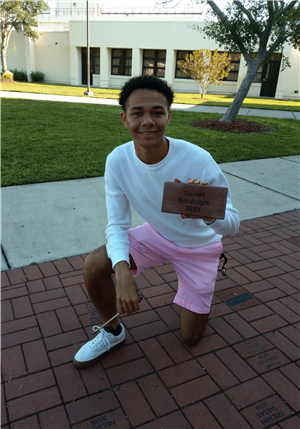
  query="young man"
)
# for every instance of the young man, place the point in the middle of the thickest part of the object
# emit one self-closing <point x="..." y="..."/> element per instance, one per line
<point x="135" y="174"/>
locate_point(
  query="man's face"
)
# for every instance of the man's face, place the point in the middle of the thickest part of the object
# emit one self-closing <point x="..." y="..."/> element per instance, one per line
<point x="147" y="117"/>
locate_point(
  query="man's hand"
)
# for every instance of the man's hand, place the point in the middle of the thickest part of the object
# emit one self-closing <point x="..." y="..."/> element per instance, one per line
<point x="127" y="291"/>
<point x="195" y="182"/>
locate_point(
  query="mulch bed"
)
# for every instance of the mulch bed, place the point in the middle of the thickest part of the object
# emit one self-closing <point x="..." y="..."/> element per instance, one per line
<point x="239" y="126"/>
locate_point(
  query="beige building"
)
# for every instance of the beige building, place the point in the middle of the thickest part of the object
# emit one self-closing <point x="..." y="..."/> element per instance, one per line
<point x="128" y="43"/>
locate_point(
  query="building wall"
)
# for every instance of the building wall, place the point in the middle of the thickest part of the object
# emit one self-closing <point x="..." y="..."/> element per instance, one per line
<point x="58" y="53"/>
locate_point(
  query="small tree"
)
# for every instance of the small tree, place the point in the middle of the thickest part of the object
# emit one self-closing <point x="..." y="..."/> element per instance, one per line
<point x="206" y="68"/>
<point x="21" y="17"/>
<point x="256" y="28"/>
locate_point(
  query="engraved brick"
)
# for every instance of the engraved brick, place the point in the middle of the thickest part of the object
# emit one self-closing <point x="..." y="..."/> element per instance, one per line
<point x="204" y="200"/>
<point x="266" y="412"/>
<point x="268" y="360"/>
<point x="249" y="392"/>
<point x="284" y="388"/>
<point x="253" y="347"/>
<point x="226" y="414"/>
<point x="116" y="417"/>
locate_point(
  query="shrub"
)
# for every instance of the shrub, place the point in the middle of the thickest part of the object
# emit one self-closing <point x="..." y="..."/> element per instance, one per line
<point x="20" y="75"/>
<point x="37" y="76"/>
<point x="7" y="76"/>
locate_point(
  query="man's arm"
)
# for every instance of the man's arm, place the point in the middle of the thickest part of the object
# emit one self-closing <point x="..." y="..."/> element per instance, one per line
<point x="127" y="291"/>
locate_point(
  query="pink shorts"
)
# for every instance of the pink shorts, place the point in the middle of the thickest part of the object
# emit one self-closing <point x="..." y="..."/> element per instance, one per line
<point x="196" y="267"/>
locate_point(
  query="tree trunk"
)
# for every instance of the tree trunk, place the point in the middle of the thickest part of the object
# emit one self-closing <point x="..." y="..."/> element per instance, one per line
<point x="4" y="45"/>
<point x="233" y="110"/>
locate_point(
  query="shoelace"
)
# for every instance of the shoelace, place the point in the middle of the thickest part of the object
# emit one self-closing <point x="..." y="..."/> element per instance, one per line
<point x="101" y="338"/>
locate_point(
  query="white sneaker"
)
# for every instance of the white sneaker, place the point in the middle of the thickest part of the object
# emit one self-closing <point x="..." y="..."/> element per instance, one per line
<point x="94" y="349"/>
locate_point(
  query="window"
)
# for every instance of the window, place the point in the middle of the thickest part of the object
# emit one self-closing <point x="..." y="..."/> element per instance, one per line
<point x="154" y="62"/>
<point x="181" y="56"/>
<point x="257" y="78"/>
<point x="121" y="62"/>
<point x="94" y="59"/>
<point x="234" y="72"/>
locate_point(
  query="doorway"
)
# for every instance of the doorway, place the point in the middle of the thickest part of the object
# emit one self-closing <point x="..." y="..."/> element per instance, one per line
<point x="269" y="76"/>
<point x="94" y="64"/>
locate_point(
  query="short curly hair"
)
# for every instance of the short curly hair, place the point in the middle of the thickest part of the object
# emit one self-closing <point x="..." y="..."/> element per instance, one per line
<point x="145" y="82"/>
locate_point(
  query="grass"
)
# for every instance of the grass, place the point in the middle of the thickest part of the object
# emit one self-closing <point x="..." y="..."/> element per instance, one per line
<point x="181" y="98"/>
<point x="44" y="141"/>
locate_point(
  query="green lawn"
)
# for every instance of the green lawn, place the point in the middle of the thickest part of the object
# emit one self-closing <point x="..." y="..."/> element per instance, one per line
<point x="44" y="141"/>
<point x="209" y="99"/>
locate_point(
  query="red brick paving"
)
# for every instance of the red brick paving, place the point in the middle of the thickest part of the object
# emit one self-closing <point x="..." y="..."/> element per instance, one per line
<point x="243" y="374"/>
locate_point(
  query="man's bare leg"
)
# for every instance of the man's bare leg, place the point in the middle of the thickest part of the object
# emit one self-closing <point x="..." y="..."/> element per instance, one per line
<point x="97" y="274"/>
<point x="193" y="325"/>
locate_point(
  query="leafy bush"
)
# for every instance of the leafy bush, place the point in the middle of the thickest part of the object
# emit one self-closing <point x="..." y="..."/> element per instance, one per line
<point x="20" y="75"/>
<point x="7" y="76"/>
<point x="37" y="76"/>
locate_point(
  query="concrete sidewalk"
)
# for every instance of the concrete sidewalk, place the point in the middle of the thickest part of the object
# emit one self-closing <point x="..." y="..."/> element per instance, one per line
<point x="48" y="221"/>
<point x="190" y="108"/>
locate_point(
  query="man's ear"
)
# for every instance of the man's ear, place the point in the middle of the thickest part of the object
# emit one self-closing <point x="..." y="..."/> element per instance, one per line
<point x="169" y="116"/>
<point x="124" y="119"/>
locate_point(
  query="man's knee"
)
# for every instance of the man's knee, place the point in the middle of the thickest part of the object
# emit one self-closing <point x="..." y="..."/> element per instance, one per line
<point x="97" y="264"/>
<point x="192" y="337"/>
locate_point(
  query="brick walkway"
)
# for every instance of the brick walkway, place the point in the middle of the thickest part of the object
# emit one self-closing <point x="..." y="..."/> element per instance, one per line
<point x="243" y="374"/>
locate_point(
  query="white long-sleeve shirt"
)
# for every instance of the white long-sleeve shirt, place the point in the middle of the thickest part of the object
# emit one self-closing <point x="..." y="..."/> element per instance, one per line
<point x="128" y="180"/>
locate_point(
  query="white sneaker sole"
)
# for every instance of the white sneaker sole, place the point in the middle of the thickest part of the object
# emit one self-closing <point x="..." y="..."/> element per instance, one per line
<point x="88" y="363"/>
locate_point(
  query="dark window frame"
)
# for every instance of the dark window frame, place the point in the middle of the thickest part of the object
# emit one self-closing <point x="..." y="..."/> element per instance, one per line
<point x="233" y="61"/>
<point x="125" y="70"/>
<point x="177" y="68"/>
<point x="156" y="59"/>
